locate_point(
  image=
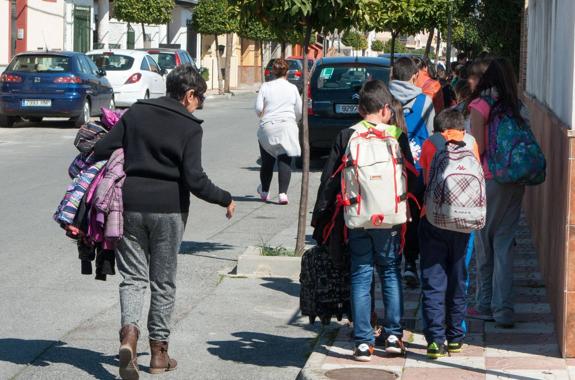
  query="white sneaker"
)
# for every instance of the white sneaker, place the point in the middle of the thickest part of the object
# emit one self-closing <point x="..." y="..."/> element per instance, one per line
<point x="283" y="199"/>
<point x="264" y="195"/>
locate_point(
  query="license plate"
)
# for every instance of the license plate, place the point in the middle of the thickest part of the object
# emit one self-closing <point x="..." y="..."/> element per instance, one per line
<point x="36" y="103"/>
<point x="346" y="108"/>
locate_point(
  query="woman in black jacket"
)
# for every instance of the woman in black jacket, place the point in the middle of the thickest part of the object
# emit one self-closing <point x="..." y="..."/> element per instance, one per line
<point x="162" y="142"/>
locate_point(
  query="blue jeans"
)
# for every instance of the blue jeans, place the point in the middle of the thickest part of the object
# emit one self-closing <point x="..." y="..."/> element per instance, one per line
<point x="381" y="247"/>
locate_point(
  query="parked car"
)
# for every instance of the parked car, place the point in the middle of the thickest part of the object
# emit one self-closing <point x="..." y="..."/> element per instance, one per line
<point x="295" y="72"/>
<point x="333" y="95"/>
<point x="133" y="74"/>
<point x="52" y="84"/>
<point x="310" y="61"/>
<point x="169" y="59"/>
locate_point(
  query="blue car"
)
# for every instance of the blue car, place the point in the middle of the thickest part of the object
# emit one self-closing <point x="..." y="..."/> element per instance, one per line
<point x="53" y="84"/>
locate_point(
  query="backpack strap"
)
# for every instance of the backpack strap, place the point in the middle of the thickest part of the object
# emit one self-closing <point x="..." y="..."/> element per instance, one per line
<point x="469" y="141"/>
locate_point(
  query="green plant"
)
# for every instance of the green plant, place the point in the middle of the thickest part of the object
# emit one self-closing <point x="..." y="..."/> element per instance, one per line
<point x="205" y="73"/>
<point x="354" y="39"/>
<point x="142" y="12"/>
<point x="378" y="45"/>
<point x="276" y="251"/>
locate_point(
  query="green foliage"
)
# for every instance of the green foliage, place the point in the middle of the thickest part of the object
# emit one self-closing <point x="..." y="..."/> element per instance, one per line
<point x="205" y="73"/>
<point x="378" y="45"/>
<point x="354" y="39"/>
<point x="144" y="11"/>
<point x="396" y="16"/>
<point x="215" y="17"/>
<point x="256" y="30"/>
<point x="276" y="251"/>
<point x="399" y="47"/>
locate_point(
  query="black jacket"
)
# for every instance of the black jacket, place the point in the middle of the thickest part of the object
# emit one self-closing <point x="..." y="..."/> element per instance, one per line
<point x="329" y="188"/>
<point x="162" y="144"/>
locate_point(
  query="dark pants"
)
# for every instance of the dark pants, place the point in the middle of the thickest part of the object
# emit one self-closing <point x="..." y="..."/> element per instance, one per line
<point x="411" y="250"/>
<point x="443" y="282"/>
<point x="267" y="170"/>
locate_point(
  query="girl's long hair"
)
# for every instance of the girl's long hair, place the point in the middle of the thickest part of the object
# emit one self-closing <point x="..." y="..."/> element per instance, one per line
<point x="501" y="77"/>
<point x="398" y="119"/>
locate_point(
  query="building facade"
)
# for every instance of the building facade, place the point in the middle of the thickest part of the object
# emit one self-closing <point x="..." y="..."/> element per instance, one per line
<point x="547" y="72"/>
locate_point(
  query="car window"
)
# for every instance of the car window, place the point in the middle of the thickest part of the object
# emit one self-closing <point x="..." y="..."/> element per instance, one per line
<point x="293" y="65"/>
<point x="349" y="77"/>
<point x="144" y="65"/>
<point x="153" y="65"/>
<point x="270" y="64"/>
<point x="112" y="62"/>
<point x="165" y="60"/>
<point x="91" y="65"/>
<point x="82" y="65"/>
<point x="37" y="63"/>
<point x="183" y="57"/>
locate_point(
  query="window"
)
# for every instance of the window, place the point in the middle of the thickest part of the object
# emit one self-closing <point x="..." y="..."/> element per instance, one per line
<point x="165" y="60"/>
<point x="153" y="65"/>
<point x="91" y="65"/>
<point x="112" y="62"/>
<point x="84" y="68"/>
<point x="144" y="65"/>
<point x="349" y="77"/>
<point x="40" y="63"/>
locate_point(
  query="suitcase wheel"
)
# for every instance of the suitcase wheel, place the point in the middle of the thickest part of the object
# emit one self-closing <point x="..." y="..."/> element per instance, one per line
<point x="339" y="317"/>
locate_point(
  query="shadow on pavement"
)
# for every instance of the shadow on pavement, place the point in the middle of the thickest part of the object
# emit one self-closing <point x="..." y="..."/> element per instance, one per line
<point x="285" y="285"/>
<point x="193" y="247"/>
<point x="263" y="349"/>
<point x="25" y="352"/>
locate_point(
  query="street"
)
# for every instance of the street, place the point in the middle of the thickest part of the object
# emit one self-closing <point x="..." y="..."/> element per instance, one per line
<point x="57" y="324"/>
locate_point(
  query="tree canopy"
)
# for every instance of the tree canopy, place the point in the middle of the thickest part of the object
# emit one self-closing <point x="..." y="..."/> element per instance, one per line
<point x="215" y="17"/>
<point x="377" y="45"/>
<point x="354" y="39"/>
<point x="153" y="12"/>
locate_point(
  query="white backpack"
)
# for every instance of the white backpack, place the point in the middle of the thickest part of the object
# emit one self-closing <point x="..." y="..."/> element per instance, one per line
<point x="455" y="197"/>
<point x="373" y="179"/>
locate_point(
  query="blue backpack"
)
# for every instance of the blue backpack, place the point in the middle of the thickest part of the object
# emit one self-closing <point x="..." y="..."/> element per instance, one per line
<point x="416" y="127"/>
<point x="513" y="154"/>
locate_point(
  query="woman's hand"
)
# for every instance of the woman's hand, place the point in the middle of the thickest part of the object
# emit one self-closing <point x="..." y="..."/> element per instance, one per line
<point x="230" y="210"/>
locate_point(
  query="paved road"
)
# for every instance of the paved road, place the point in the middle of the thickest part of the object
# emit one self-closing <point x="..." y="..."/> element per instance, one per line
<point x="57" y="324"/>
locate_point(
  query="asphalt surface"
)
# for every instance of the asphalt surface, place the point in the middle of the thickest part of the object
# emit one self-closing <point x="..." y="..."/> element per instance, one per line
<point x="57" y="324"/>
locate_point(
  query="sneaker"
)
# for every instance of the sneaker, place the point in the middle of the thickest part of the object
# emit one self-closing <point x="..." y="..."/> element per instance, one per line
<point x="363" y="352"/>
<point x="454" y="347"/>
<point x="436" y="351"/>
<point x="394" y="345"/>
<point x="264" y="195"/>
<point x="283" y="199"/>
<point x="410" y="275"/>
<point x="476" y="314"/>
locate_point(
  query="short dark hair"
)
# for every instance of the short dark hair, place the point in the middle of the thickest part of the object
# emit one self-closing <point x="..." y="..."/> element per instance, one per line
<point x="404" y="69"/>
<point x="449" y="119"/>
<point x="182" y="79"/>
<point x="373" y="96"/>
<point x="280" y="67"/>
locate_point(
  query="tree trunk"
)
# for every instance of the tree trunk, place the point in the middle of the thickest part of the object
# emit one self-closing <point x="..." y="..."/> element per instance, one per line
<point x="228" y="68"/>
<point x="449" y="32"/>
<point x="303" y="202"/>
<point x="437" y="47"/>
<point x="218" y="66"/>
<point x="283" y="47"/>
<point x="393" y="37"/>
<point x="143" y="33"/>
<point x="429" y="41"/>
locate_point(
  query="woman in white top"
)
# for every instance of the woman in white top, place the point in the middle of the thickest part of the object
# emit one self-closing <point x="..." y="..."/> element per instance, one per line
<point x="279" y="107"/>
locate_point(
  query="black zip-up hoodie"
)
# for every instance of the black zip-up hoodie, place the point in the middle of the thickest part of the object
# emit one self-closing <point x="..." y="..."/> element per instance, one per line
<point x="162" y="145"/>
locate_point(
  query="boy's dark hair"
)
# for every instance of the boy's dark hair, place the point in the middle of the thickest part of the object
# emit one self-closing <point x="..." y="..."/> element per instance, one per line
<point x="449" y="119"/>
<point x="182" y="79"/>
<point x="404" y="69"/>
<point x="373" y="96"/>
<point x="425" y="63"/>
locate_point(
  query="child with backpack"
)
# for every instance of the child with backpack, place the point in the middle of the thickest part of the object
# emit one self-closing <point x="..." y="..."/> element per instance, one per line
<point x="454" y="206"/>
<point x="419" y="114"/>
<point x="511" y="160"/>
<point x="367" y="178"/>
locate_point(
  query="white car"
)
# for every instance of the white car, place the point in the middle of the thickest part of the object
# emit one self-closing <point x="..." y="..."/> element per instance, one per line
<point x="133" y="74"/>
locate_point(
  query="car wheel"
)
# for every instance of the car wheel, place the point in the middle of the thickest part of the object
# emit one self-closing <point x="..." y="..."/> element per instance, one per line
<point x="84" y="117"/>
<point x="8" y="121"/>
<point x="36" y="119"/>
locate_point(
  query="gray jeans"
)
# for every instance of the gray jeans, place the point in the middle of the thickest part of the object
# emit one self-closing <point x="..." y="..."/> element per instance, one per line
<point x="494" y="250"/>
<point x="148" y="252"/>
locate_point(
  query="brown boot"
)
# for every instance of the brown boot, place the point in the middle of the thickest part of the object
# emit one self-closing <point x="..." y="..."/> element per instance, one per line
<point x="161" y="361"/>
<point x="129" y="335"/>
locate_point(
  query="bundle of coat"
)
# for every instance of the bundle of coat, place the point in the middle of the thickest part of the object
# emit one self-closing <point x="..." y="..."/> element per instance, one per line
<point x="108" y="197"/>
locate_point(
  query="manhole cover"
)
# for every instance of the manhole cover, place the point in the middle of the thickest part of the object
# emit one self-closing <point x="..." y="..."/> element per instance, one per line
<point x="360" y="373"/>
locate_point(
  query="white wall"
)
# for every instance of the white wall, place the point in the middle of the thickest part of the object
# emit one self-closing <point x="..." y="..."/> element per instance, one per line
<point x="551" y="55"/>
<point x="118" y="34"/>
<point x="45" y="25"/>
<point x="4" y="33"/>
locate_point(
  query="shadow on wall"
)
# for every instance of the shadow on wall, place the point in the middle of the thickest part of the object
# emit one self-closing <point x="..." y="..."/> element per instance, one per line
<point x="43" y="353"/>
<point x="263" y="349"/>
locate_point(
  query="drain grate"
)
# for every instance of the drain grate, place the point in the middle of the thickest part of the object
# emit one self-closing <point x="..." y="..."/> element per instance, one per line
<point x="360" y="373"/>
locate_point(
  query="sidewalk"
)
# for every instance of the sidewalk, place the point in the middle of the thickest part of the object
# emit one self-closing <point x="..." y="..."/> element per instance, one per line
<point x="527" y="352"/>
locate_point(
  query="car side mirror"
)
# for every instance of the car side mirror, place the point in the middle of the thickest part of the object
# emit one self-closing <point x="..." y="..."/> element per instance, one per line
<point x="101" y="72"/>
<point x="163" y="71"/>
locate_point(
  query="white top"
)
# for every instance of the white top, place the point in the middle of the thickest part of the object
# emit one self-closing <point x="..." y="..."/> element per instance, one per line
<point x="278" y="100"/>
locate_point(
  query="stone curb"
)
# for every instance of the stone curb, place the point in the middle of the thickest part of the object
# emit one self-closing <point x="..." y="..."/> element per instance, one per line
<point x="312" y="369"/>
<point x="251" y="263"/>
<point x="228" y="96"/>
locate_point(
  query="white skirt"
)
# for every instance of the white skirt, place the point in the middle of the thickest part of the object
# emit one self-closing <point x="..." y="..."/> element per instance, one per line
<point x="279" y="137"/>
